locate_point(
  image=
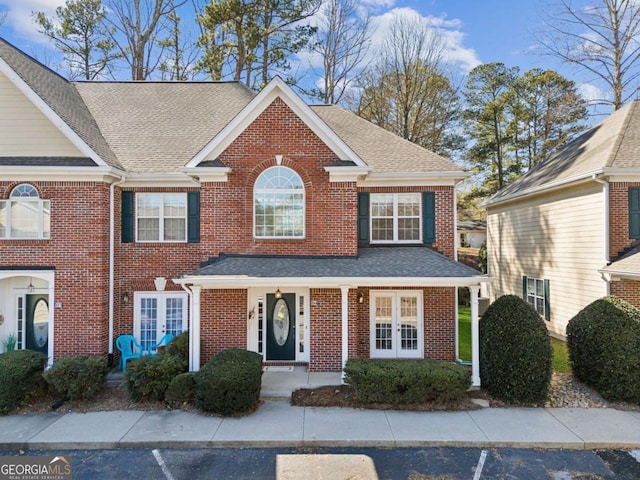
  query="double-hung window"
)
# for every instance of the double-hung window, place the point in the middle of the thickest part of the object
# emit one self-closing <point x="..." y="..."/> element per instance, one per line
<point x="25" y="215"/>
<point x="396" y="218"/>
<point x="161" y="217"/>
<point x="536" y="293"/>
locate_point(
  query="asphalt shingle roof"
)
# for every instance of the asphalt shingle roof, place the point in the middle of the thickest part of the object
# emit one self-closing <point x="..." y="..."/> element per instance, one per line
<point x="628" y="263"/>
<point x="613" y="143"/>
<point x="61" y="96"/>
<point x="416" y="262"/>
<point x="47" y="162"/>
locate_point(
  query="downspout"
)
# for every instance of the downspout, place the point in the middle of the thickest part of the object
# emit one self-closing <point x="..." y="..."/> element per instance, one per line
<point x="607" y="226"/>
<point x="191" y="335"/>
<point x="112" y="240"/>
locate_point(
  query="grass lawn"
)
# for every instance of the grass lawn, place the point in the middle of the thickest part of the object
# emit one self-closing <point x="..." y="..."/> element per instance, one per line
<point x="560" y="354"/>
<point x="464" y="333"/>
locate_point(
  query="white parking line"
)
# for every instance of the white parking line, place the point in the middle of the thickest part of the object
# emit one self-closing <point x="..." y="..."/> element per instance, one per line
<point x="163" y="466"/>
<point x="483" y="457"/>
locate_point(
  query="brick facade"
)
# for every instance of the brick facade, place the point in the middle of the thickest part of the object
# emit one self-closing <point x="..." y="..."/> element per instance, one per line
<point x="619" y="217"/>
<point x="628" y="290"/>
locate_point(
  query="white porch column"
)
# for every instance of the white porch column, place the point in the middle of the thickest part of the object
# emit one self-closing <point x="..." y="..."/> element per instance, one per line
<point x="475" y="337"/>
<point x="345" y="326"/>
<point x="194" y="330"/>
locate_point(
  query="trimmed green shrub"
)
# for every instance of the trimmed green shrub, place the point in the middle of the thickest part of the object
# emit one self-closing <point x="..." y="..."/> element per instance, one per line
<point x="179" y="346"/>
<point x="20" y="376"/>
<point x="230" y="382"/>
<point x="515" y="352"/>
<point x="604" y="348"/>
<point x="148" y="377"/>
<point x="77" y="377"/>
<point x="181" y="389"/>
<point x="406" y="381"/>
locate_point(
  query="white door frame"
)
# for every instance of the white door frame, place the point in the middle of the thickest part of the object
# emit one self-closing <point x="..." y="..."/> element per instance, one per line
<point x="396" y="351"/>
<point x="160" y="296"/>
<point x="257" y="295"/>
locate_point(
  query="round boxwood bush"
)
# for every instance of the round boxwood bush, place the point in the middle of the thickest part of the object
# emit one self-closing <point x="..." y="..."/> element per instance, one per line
<point x="181" y="390"/>
<point x="20" y="376"/>
<point x="148" y="377"/>
<point x="179" y="346"/>
<point x="77" y="377"/>
<point x="230" y="382"/>
<point x="603" y="340"/>
<point x="515" y="352"/>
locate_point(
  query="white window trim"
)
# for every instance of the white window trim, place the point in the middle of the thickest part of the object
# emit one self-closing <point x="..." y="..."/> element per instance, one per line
<point x="36" y="200"/>
<point x="535" y="295"/>
<point x="280" y="191"/>
<point x="395" y="352"/>
<point x="396" y="217"/>
<point x="162" y="217"/>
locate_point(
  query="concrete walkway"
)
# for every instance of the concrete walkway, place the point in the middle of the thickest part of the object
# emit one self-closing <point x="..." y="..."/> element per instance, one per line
<point x="278" y="424"/>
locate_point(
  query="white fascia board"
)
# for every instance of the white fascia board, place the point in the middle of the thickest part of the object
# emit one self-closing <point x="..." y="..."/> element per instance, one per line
<point x="274" y="89"/>
<point x="613" y="274"/>
<point x="346" y="174"/>
<point x="71" y="174"/>
<point x="242" y="281"/>
<point x="48" y="112"/>
<point x="614" y="174"/>
<point x="547" y="187"/>
<point x="159" y="180"/>
<point x="400" y="179"/>
<point x="209" y="174"/>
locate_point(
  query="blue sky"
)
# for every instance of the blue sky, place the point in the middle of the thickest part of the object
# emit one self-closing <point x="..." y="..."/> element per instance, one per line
<point x="476" y="31"/>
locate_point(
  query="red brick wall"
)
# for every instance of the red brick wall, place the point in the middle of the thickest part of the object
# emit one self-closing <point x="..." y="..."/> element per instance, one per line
<point x="223" y="321"/>
<point x="79" y="251"/>
<point x="326" y="326"/>
<point x="325" y="330"/>
<point x="628" y="290"/>
<point x="445" y="235"/>
<point x="619" y="217"/>
<point x="331" y="208"/>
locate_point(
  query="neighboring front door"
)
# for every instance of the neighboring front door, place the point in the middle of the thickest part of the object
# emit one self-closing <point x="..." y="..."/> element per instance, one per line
<point x="396" y="324"/>
<point x="281" y="322"/>
<point x="37" y="325"/>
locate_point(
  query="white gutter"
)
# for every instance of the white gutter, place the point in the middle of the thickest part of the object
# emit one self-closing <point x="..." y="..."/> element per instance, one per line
<point x="112" y="260"/>
<point x="550" y="186"/>
<point x="607" y="227"/>
<point x="191" y="330"/>
<point x="243" y="281"/>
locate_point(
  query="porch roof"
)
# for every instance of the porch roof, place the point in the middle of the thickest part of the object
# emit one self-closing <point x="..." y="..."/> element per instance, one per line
<point x="627" y="265"/>
<point x="372" y="264"/>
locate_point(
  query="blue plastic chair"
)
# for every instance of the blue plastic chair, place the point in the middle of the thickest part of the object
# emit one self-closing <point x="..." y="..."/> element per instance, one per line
<point x="129" y="348"/>
<point x="163" y="342"/>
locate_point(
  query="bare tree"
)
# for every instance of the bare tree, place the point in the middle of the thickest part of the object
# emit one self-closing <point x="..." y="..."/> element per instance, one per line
<point x="136" y="32"/>
<point x="180" y="52"/>
<point x="342" y="40"/>
<point x="406" y="90"/>
<point x="600" y="37"/>
<point x="3" y="17"/>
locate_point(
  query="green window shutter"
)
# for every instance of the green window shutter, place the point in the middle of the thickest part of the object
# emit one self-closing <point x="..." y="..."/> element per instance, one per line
<point x="524" y="288"/>
<point x="193" y="217"/>
<point x="634" y="212"/>
<point x="363" y="217"/>
<point x="428" y="217"/>
<point x="126" y="217"/>
<point x="547" y="305"/>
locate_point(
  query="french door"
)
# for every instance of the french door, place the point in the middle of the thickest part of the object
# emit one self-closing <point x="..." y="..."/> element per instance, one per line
<point x="397" y="327"/>
<point x="157" y="314"/>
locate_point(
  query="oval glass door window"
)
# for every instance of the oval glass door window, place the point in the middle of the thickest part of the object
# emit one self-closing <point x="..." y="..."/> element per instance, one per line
<point x="41" y="323"/>
<point x="281" y="322"/>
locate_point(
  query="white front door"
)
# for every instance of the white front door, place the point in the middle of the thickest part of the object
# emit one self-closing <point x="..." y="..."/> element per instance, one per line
<point x="158" y="313"/>
<point x="396" y="324"/>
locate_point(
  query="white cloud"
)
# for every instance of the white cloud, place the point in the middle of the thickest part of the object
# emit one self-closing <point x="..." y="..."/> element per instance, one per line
<point x="20" y="21"/>
<point x="591" y="93"/>
<point x="377" y="4"/>
<point x="449" y="29"/>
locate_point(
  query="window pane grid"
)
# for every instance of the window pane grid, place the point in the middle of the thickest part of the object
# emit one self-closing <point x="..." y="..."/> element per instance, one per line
<point x="279" y="204"/>
<point x="148" y="322"/>
<point x="535" y="294"/>
<point x="396" y="217"/>
<point x="161" y="217"/>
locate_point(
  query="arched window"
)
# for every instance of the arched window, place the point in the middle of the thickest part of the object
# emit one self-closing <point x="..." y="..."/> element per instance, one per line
<point x="278" y="204"/>
<point x="24" y="215"/>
